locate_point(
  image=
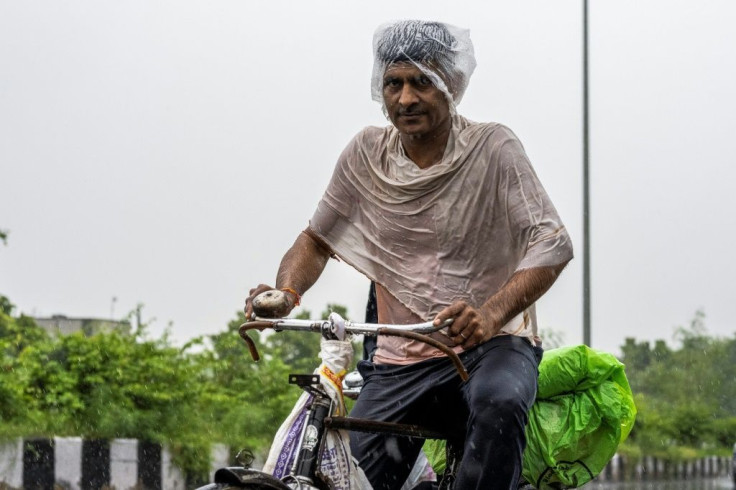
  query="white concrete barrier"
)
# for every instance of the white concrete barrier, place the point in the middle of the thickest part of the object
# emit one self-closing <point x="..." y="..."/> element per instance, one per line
<point x="11" y="463"/>
<point x="68" y="462"/>
<point x="123" y="463"/>
<point x="172" y="477"/>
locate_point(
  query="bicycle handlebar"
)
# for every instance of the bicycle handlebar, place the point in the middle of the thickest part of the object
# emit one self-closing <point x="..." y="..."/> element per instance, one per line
<point x="336" y="327"/>
<point x="372" y="329"/>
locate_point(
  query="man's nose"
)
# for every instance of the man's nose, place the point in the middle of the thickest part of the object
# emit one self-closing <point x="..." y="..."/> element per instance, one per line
<point x="408" y="96"/>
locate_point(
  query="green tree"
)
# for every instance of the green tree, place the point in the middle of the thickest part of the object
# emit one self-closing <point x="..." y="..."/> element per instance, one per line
<point x="17" y="333"/>
<point x="299" y="350"/>
<point x="116" y="384"/>
<point x="16" y="409"/>
<point x="246" y="400"/>
<point x="104" y="386"/>
<point x="6" y="306"/>
<point x="686" y="396"/>
<point x="336" y="308"/>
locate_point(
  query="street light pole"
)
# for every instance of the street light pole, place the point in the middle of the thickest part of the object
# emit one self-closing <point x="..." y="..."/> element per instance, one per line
<point x="586" y="185"/>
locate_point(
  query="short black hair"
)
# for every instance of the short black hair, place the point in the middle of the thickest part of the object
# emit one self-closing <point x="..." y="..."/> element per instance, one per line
<point x="417" y="41"/>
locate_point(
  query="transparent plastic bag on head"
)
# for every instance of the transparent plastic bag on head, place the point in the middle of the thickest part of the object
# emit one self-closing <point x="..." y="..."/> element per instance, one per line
<point x="442" y="51"/>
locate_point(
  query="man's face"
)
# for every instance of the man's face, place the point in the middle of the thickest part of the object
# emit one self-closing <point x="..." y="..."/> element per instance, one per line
<point x="415" y="105"/>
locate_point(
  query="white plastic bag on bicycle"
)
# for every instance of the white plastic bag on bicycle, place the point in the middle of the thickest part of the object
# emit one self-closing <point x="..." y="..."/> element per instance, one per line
<point x="336" y="461"/>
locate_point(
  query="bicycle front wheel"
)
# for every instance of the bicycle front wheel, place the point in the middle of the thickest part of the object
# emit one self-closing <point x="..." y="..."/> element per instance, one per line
<point x="277" y="485"/>
<point x="241" y="478"/>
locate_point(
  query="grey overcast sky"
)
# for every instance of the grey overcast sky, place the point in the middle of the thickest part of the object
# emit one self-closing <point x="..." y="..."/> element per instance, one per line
<point x="169" y="152"/>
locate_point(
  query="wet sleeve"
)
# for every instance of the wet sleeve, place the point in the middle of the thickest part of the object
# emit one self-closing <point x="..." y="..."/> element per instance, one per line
<point x="339" y="198"/>
<point x="532" y="217"/>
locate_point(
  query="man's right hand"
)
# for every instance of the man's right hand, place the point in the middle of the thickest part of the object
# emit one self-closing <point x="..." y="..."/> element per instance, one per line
<point x="277" y="305"/>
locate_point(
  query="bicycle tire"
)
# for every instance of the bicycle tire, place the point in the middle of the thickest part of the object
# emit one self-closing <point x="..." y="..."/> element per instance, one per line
<point x="246" y="486"/>
<point x="253" y="485"/>
<point x="242" y="478"/>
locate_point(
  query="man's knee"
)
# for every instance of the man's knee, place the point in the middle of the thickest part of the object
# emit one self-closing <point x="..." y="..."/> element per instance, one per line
<point x="506" y="388"/>
<point x="501" y="412"/>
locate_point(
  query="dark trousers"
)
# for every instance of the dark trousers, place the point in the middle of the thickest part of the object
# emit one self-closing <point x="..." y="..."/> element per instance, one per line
<point x="488" y="413"/>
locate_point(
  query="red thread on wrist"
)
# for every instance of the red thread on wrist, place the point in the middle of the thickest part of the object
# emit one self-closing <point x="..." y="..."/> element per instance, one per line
<point x="293" y="291"/>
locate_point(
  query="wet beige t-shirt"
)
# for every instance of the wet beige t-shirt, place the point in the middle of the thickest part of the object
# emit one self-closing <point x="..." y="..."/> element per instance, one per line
<point x="457" y="230"/>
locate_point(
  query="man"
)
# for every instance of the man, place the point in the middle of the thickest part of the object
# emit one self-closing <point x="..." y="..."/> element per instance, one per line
<point x="449" y="220"/>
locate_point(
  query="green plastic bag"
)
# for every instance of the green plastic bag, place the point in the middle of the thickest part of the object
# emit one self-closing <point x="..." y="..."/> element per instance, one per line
<point x="584" y="410"/>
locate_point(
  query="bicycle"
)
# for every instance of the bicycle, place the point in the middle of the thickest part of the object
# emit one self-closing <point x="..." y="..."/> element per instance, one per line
<point x="575" y="380"/>
<point x="304" y="473"/>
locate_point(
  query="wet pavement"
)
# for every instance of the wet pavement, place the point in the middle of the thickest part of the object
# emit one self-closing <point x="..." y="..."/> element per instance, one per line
<point x="722" y="483"/>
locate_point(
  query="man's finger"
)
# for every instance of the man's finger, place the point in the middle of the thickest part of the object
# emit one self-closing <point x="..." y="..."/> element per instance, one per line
<point x="252" y="293"/>
<point x="464" y="339"/>
<point x="451" y="311"/>
<point x="462" y="323"/>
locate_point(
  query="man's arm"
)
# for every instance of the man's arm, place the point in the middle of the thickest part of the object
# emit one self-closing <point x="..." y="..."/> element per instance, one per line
<point x="473" y="326"/>
<point x="531" y="214"/>
<point x="300" y="268"/>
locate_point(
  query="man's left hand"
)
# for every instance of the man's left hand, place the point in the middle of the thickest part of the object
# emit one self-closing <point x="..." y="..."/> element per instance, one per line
<point x="470" y="327"/>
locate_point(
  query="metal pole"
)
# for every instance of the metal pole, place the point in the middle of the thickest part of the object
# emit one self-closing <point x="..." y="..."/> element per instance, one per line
<point x="586" y="185"/>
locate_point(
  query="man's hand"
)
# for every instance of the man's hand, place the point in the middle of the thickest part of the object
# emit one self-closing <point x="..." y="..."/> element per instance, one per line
<point x="299" y="269"/>
<point x="277" y="306"/>
<point x="473" y="326"/>
<point x="470" y="327"/>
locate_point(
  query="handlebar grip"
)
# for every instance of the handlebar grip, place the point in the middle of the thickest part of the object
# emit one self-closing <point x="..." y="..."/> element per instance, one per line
<point x="271" y="304"/>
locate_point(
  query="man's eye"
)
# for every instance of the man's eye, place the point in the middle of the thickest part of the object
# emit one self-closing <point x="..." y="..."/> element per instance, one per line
<point x="424" y="81"/>
<point x="391" y="82"/>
